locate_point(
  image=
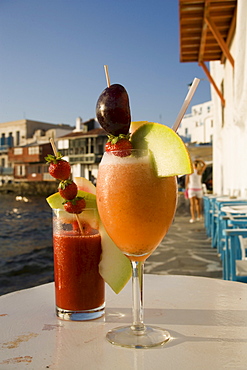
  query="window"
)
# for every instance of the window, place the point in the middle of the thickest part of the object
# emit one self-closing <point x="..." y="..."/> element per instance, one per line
<point x="3" y="139"/>
<point x="10" y="140"/>
<point x="20" y="170"/>
<point x="17" y="137"/>
<point x="18" y="151"/>
<point x="33" y="150"/>
<point x="222" y="107"/>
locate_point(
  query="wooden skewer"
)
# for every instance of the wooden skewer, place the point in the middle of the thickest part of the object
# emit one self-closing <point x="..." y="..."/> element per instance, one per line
<point x="53" y="147"/>
<point x="107" y="76"/>
<point x="79" y="224"/>
<point x="56" y="154"/>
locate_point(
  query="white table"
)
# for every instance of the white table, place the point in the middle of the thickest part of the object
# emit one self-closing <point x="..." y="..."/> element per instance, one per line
<point x="207" y="319"/>
<point x="240" y="209"/>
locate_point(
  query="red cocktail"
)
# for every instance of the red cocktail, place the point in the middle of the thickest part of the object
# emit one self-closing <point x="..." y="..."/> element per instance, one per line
<point x="80" y="290"/>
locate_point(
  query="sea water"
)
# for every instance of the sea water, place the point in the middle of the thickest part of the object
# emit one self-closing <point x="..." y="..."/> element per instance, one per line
<point x="26" y="253"/>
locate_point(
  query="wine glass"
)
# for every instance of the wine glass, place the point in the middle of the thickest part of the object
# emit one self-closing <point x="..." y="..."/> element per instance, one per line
<point x="137" y="209"/>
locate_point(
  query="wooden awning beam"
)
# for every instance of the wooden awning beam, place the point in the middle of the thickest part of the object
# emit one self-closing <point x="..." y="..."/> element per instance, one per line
<point x="203" y="35"/>
<point x="230" y="33"/>
<point x="210" y="23"/>
<point x="211" y="80"/>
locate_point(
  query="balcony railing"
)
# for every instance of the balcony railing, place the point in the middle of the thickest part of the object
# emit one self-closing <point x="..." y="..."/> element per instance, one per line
<point x="6" y="171"/>
<point x="82" y="158"/>
<point x="4" y="148"/>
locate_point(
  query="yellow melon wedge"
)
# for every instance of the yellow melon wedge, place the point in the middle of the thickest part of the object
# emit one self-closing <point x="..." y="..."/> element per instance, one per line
<point x="169" y="153"/>
<point x="114" y="266"/>
<point x="56" y="201"/>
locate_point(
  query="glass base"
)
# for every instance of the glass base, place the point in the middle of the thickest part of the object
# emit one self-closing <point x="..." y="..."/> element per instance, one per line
<point x="82" y="315"/>
<point x="125" y="336"/>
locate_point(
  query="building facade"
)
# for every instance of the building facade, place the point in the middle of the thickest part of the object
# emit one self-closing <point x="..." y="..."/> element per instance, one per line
<point x="214" y="34"/>
<point x="230" y="130"/>
<point x="197" y="127"/>
<point x="83" y="148"/>
<point x="23" y="143"/>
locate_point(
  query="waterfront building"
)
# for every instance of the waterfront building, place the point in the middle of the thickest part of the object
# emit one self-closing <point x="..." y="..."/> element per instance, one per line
<point x="216" y="32"/>
<point x="22" y="145"/>
<point x="83" y="148"/>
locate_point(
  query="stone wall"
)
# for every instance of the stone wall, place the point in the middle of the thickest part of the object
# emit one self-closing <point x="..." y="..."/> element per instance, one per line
<point x="43" y="188"/>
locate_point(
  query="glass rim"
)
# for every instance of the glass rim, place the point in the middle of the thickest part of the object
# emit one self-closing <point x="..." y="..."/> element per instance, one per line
<point x="85" y="209"/>
<point x="145" y="151"/>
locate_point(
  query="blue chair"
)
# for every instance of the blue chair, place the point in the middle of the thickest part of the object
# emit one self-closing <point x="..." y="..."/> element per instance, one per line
<point x="208" y="206"/>
<point x="230" y="217"/>
<point x="217" y="217"/>
<point x="232" y="223"/>
<point x="235" y="263"/>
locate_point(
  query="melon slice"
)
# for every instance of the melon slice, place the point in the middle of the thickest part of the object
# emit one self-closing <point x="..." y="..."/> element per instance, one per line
<point x="169" y="153"/>
<point x="114" y="266"/>
<point x="56" y="201"/>
<point x="135" y="125"/>
<point x="84" y="184"/>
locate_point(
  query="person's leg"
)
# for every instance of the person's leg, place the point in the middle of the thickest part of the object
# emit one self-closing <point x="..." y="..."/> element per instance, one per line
<point x="192" y="208"/>
<point x="198" y="208"/>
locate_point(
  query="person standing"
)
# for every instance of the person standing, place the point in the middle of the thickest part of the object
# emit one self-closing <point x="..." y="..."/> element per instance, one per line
<point x="193" y="183"/>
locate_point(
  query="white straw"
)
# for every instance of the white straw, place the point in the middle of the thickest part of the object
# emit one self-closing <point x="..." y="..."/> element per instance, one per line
<point x="186" y="103"/>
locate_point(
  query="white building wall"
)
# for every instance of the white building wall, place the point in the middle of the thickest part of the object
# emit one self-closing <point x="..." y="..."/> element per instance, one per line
<point x="198" y="125"/>
<point x="230" y="132"/>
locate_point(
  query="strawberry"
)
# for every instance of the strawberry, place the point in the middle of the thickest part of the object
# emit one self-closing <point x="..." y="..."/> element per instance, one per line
<point x="75" y="205"/>
<point x="58" y="168"/>
<point x="67" y="189"/>
<point x="119" y="145"/>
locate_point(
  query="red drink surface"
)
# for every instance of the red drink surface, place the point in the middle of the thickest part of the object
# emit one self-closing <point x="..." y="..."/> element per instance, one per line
<point x="78" y="284"/>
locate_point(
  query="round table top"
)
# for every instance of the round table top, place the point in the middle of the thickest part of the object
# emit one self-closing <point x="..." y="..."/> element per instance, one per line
<point x="207" y="319"/>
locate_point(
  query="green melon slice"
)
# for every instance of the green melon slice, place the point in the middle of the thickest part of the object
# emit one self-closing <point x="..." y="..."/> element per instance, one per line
<point x="56" y="201"/>
<point x="114" y="266"/>
<point x="169" y="153"/>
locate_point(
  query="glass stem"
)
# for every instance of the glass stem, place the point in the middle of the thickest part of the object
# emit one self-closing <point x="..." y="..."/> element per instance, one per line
<point x="137" y="288"/>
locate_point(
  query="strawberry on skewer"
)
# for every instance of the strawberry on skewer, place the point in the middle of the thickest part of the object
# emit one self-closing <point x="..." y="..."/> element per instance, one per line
<point x="67" y="189"/>
<point x="58" y="168"/>
<point x="119" y="145"/>
<point x="75" y="205"/>
<point x="61" y="170"/>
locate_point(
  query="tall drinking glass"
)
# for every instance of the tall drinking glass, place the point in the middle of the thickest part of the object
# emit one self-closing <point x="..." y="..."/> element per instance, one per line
<point x="137" y="209"/>
<point x="79" y="288"/>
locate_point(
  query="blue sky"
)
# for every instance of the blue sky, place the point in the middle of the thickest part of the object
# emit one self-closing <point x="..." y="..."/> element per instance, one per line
<point x="53" y="53"/>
